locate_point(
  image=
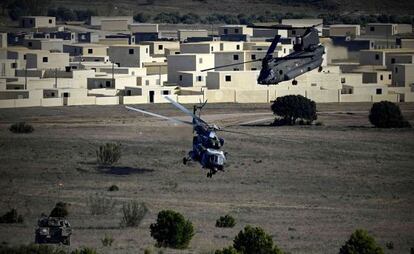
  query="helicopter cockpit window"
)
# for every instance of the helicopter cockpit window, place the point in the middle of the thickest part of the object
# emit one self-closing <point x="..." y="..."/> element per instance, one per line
<point x="281" y="72"/>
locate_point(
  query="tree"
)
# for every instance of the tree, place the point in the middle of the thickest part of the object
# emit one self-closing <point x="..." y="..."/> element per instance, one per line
<point x="142" y="17"/>
<point x="228" y="250"/>
<point x="292" y="107"/>
<point x="360" y="242"/>
<point x="172" y="230"/>
<point x="386" y="114"/>
<point x="253" y="240"/>
<point x="60" y="210"/>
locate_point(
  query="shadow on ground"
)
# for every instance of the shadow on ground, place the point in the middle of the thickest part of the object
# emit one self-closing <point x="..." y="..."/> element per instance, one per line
<point x="124" y="170"/>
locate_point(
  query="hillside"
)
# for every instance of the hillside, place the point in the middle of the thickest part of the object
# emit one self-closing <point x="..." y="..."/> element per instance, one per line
<point x="205" y="7"/>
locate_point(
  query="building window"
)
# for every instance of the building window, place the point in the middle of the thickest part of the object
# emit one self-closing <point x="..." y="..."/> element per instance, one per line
<point x="236" y="30"/>
<point x="226" y="31"/>
<point x="237" y="46"/>
<point x="389" y="76"/>
<point x="372" y="29"/>
<point x="376" y="56"/>
<point x="211" y="49"/>
<point x="147" y="82"/>
<point x="90" y="51"/>
<point x="393" y="60"/>
<point x="14" y="65"/>
<point x="260" y="49"/>
<point x="343" y="81"/>
<point x="45" y="59"/>
<point x="30" y="44"/>
<point x="235" y="57"/>
<point x="108" y="83"/>
<point x="381" y="77"/>
<point x="181" y="77"/>
<point x="50" y="21"/>
<point x="379" y="91"/>
<point x="396" y="70"/>
<point x="24" y="56"/>
<point x="165" y="92"/>
<point x="236" y="69"/>
<point x="293" y="32"/>
<point x="146" y="50"/>
<point x="254" y="69"/>
<point x="228" y="78"/>
<point x="253" y="57"/>
<point x="221" y="46"/>
<point x="160" y="47"/>
<point x="200" y="60"/>
<point x="313" y="84"/>
<point x="284" y="51"/>
<point x="131" y="51"/>
<point x="199" y="78"/>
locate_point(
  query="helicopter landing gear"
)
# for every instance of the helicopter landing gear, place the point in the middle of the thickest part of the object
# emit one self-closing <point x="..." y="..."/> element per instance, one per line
<point x="320" y="69"/>
<point x="186" y="160"/>
<point x="294" y="82"/>
<point x="212" y="172"/>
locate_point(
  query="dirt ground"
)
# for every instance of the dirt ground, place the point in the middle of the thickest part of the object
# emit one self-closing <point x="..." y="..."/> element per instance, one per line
<point x="309" y="187"/>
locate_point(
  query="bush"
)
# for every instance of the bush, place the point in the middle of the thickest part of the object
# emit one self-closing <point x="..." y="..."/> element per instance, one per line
<point x="133" y="213"/>
<point x="108" y="154"/>
<point x="293" y="107"/>
<point x="390" y="245"/>
<point x="84" y="250"/>
<point x="31" y="248"/>
<point x="60" y="210"/>
<point x="361" y="242"/>
<point x="11" y="217"/>
<point x="172" y="230"/>
<point x="107" y="241"/>
<point x="98" y="204"/>
<point x="226" y="221"/>
<point x="228" y="250"/>
<point x="254" y="240"/>
<point x="21" y="127"/>
<point x="386" y="114"/>
<point x="113" y="188"/>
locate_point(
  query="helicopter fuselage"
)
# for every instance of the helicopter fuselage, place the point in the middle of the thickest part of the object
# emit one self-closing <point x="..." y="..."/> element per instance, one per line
<point x="275" y="71"/>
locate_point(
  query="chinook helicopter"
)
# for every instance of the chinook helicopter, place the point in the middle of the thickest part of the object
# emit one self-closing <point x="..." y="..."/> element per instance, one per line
<point x="206" y="144"/>
<point x="307" y="55"/>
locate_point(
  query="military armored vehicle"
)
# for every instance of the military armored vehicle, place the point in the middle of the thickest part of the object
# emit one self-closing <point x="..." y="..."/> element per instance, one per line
<point x="53" y="230"/>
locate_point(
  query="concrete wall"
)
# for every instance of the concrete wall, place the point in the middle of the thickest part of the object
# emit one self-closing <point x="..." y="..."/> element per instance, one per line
<point x="114" y="25"/>
<point x="252" y="96"/>
<point x="107" y="100"/>
<point x="187" y="99"/>
<point x="129" y="56"/>
<point x="344" y="30"/>
<point x="184" y="34"/>
<point x="37" y="21"/>
<point x="214" y="96"/>
<point x="143" y="28"/>
<point x="72" y="101"/>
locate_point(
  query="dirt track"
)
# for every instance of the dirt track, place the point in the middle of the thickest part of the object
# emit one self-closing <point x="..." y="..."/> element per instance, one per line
<point x="308" y="186"/>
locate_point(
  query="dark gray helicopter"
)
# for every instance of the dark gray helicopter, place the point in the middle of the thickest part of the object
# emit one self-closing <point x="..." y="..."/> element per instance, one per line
<point x="307" y="55"/>
<point x="206" y="144"/>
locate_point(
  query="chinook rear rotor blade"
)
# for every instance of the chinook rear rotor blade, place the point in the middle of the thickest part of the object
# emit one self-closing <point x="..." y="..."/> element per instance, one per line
<point x="272" y="47"/>
<point x="159" y="116"/>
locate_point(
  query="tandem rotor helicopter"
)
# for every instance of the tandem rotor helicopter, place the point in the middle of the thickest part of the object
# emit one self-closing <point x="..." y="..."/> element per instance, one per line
<point x="206" y="144"/>
<point x="307" y="55"/>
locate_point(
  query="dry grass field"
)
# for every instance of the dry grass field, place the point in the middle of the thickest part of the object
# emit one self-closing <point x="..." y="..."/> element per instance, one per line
<point x="309" y="187"/>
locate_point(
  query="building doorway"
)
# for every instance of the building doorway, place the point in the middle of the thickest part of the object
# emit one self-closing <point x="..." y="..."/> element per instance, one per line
<point x="151" y="96"/>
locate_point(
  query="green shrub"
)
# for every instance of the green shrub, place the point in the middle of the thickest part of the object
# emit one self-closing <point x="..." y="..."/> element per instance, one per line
<point x="360" y="242"/>
<point x="11" y="217"/>
<point x="60" y="210"/>
<point x="133" y="213"/>
<point x="226" y="221"/>
<point x="108" y="154"/>
<point x="386" y="114"/>
<point x="98" y="204"/>
<point x="30" y="249"/>
<point x="293" y="107"/>
<point x="228" y="250"/>
<point x="389" y="245"/>
<point x="172" y="230"/>
<point x="21" y="127"/>
<point x="84" y="250"/>
<point x="113" y="188"/>
<point x="254" y="240"/>
<point x="107" y="241"/>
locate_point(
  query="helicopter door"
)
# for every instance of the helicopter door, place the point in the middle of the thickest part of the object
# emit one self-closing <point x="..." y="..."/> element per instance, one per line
<point x="151" y="96"/>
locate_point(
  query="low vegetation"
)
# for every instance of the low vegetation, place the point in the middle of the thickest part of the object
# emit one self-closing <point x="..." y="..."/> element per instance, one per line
<point x="21" y="127"/>
<point x="11" y="217"/>
<point x="113" y="188"/>
<point x="60" y="210"/>
<point x="251" y="240"/>
<point x="107" y="241"/>
<point x="361" y="242"/>
<point x="133" y="213"/>
<point x="226" y="221"/>
<point x="42" y="249"/>
<point x="290" y="108"/>
<point x="172" y="230"/>
<point x="99" y="204"/>
<point x="108" y="154"/>
<point x="386" y="114"/>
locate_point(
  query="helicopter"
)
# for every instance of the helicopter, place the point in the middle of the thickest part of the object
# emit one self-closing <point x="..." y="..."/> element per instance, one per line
<point x="307" y="55"/>
<point x="207" y="145"/>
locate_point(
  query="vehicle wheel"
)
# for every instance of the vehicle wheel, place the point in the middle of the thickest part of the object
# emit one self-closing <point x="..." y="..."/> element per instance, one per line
<point x="294" y="82"/>
<point x="209" y="175"/>
<point x="320" y="69"/>
<point x="185" y="161"/>
<point x="66" y="241"/>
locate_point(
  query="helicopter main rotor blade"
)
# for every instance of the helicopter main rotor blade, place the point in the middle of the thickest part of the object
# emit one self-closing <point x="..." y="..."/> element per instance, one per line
<point x="159" y="116"/>
<point x="272" y="47"/>
<point x="181" y="107"/>
<point x="257" y="60"/>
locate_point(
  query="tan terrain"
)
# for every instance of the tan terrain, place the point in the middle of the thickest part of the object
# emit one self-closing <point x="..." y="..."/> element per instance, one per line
<point x="309" y="187"/>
